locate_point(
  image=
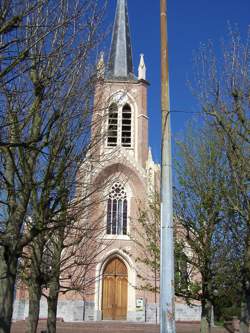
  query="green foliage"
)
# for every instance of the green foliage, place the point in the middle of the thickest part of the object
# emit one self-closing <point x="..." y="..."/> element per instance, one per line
<point x="211" y="231"/>
<point x="147" y="237"/>
<point x="222" y="88"/>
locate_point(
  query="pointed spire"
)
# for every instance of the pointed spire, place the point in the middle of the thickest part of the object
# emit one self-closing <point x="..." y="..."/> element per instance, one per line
<point x="120" y="58"/>
<point x="150" y="157"/>
<point x="142" y="69"/>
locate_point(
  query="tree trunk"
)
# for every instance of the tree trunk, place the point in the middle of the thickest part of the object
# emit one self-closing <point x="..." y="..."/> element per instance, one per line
<point x="35" y="294"/>
<point x="35" y="284"/>
<point x="206" y="311"/>
<point x="8" y="271"/>
<point x="245" y="312"/>
<point x="52" y="306"/>
<point x="243" y="318"/>
<point x="245" y="304"/>
<point x="54" y="285"/>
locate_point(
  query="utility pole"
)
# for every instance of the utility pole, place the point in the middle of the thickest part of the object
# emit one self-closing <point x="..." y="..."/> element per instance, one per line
<point x="167" y="312"/>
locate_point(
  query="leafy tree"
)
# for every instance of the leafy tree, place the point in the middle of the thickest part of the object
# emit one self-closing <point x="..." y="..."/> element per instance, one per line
<point x="222" y="86"/>
<point x="147" y="236"/>
<point x="201" y="207"/>
<point x="208" y="251"/>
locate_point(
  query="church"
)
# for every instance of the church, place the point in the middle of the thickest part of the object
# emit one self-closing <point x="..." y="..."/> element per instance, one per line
<point x="125" y="159"/>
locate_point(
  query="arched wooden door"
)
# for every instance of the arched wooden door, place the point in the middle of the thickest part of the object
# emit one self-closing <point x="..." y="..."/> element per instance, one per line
<point x="115" y="291"/>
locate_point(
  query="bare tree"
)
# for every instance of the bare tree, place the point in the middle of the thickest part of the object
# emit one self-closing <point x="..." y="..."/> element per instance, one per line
<point x="73" y="265"/>
<point x="63" y="260"/>
<point x="46" y="86"/>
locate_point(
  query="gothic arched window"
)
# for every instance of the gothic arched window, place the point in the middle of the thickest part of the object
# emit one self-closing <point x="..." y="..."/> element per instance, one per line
<point x="126" y="126"/>
<point x="113" y="125"/>
<point x="117" y="211"/>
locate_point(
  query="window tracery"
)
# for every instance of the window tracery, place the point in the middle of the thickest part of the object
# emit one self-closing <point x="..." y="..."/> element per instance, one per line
<point x="117" y="210"/>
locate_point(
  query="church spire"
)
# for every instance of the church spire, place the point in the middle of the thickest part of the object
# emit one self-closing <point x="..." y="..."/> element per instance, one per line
<point x="120" y="58"/>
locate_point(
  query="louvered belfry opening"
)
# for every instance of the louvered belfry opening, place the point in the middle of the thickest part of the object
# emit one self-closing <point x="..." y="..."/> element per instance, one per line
<point x="113" y="125"/>
<point x="126" y="126"/>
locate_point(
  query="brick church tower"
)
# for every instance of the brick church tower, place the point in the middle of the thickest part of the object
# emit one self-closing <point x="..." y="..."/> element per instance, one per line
<point x="126" y="161"/>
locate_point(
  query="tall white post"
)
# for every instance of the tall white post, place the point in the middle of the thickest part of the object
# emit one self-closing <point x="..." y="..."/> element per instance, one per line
<point x="167" y="312"/>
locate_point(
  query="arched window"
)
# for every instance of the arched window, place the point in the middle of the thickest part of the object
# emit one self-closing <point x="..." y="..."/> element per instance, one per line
<point x="112" y="125"/>
<point x="126" y="126"/>
<point x="117" y="211"/>
<point x="119" y="126"/>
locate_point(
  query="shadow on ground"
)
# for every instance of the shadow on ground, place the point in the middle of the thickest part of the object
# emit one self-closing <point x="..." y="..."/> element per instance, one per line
<point x="111" y="327"/>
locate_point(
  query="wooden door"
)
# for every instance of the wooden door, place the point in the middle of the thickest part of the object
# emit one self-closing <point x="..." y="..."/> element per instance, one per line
<point x="115" y="291"/>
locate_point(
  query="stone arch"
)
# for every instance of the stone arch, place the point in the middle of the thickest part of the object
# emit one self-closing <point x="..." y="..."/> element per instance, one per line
<point x="128" y="173"/>
<point x="122" y="97"/>
<point x="133" y="183"/>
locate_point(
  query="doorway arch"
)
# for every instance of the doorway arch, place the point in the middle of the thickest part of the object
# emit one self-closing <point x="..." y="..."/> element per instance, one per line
<point x="115" y="290"/>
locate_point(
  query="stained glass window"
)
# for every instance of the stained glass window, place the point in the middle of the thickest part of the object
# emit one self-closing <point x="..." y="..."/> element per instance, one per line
<point x="117" y="210"/>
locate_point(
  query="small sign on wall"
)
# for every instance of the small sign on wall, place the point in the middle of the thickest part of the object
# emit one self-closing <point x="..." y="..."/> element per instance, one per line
<point x="139" y="303"/>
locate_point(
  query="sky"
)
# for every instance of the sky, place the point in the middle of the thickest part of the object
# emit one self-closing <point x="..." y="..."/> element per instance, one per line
<point x="190" y="23"/>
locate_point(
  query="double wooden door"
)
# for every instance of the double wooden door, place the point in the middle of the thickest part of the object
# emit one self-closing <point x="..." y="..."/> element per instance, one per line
<point x="115" y="291"/>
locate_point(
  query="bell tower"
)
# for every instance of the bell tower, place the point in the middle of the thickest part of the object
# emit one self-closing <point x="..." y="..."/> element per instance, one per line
<point x="123" y="96"/>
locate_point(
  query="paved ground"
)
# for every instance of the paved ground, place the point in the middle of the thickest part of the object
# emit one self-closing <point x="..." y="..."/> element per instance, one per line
<point x="112" y="327"/>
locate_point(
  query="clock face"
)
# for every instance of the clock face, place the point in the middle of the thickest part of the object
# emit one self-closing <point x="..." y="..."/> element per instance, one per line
<point x="120" y="98"/>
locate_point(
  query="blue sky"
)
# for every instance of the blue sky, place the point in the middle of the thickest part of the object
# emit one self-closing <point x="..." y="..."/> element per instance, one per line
<point x="189" y="24"/>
